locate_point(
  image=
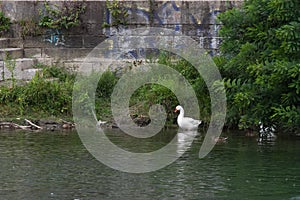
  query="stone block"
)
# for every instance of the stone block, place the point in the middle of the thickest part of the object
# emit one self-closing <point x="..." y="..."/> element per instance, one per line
<point x="71" y="65"/>
<point x="77" y="30"/>
<point x="168" y="13"/>
<point x="95" y="12"/>
<point x="25" y="63"/>
<point x="23" y="69"/>
<point x="92" y="41"/>
<point x="28" y="74"/>
<point x="29" y="6"/>
<point x="13" y="52"/>
<point x="45" y="61"/>
<point x="15" y="42"/>
<point x="210" y="43"/>
<point x="74" y="41"/>
<point x="32" y="52"/>
<point x="65" y="53"/>
<point x="4" y="42"/>
<point x="139" y="13"/>
<point x="201" y="30"/>
<point x="93" y="28"/>
<point x="36" y="42"/>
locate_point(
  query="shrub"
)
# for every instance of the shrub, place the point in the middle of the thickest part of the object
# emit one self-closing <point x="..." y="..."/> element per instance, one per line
<point x="4" y="22"/>
<point x="106" y="85"/>
<point x="41" y="95"/>
<point x="64" y="17"/>
<point x="260" y="63"/>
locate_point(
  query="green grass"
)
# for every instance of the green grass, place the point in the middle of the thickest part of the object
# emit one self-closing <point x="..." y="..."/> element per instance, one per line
<point x="49" y="94"/>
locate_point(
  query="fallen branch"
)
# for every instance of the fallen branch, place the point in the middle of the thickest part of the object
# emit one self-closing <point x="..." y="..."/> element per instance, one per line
<point x="24" y="127"/>
<point x="20" y="127"/>
<point x="14" y="125"/>
<point x="32" y="124"/>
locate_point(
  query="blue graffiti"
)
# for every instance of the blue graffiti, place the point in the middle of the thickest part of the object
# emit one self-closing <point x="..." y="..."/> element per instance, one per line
<point x="54" y="36"/>
<point x="169" y="10"/>
<point x="169" y="13"/>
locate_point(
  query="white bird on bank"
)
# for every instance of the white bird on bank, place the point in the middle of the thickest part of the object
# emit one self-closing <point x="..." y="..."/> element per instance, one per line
<point x="101" y="122"/>
<point x="186" y="123"/>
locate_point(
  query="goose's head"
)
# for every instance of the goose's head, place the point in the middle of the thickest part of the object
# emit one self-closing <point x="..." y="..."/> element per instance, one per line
<point x="178" y="108"/>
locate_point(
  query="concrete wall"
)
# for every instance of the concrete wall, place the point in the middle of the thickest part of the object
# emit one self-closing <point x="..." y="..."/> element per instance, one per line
<point x="192" y="18"/>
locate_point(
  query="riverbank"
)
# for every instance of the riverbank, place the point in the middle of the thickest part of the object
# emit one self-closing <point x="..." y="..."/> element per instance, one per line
<point x="36" y="125"/>
<point x="55" y="124"/>
<point x="47" y="100"/>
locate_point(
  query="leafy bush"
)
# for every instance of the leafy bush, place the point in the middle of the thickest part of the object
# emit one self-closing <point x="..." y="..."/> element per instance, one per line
<point x="49" y="96"/>
<point x="106" y="85"/>
<point x="41" y="95"/>
<point x="29" y="27"/>
<point x="259" y="61"/>
<point x="118" y="12"/>
<point x="56" y="72"/>
<point x="66" y="16"/>
<point x="4" y="22"/>
<point x="85" y="90"/>
<point x="152" y="94"/>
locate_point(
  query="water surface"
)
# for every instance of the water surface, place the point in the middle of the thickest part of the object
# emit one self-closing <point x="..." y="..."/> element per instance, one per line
<point x="55" y="165"/>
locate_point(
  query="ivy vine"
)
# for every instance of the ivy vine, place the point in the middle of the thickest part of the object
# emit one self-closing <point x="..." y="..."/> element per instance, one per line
<point x="61" y="17"/>
<point x="4" y="22"/>
<point x="29" y="27"/>
<point x="118" y="12"/>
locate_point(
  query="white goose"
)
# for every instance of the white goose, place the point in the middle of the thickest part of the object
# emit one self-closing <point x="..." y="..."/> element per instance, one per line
<point x="186" y="123"/>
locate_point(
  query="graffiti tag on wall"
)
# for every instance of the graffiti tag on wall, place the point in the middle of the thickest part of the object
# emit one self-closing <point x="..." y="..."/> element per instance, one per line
<point x="171" y="15"/>
<point x="55" y="36"/>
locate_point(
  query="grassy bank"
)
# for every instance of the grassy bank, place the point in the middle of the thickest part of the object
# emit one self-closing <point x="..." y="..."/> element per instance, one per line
<point x="49" y="96"/>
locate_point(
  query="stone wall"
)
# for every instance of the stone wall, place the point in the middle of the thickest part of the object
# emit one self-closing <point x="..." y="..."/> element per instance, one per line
<point x="192" y="18"/>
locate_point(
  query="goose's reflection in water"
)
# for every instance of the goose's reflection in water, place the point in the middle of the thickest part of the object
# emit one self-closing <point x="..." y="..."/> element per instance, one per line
<point x="185" y="140"/>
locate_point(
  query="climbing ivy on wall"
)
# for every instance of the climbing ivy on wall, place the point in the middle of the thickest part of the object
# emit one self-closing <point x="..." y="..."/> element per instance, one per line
<point x="29" y="27"/>
<point x="118" y="13"/>
<point x="61" y="17"/>
<point x="4" y="22"/>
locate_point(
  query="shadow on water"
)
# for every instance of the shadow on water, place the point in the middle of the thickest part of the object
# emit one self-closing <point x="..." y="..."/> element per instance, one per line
<point x="57" y="166"/>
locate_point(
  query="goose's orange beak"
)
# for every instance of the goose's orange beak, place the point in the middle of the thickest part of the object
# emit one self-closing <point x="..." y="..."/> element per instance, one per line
<point x="175" y="110"/>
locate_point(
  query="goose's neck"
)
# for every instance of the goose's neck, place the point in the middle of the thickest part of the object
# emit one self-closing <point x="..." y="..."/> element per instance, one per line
<point x="181" y="114"/>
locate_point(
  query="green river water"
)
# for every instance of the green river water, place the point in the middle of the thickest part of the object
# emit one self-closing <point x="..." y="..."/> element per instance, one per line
<point x="56" y="165"/>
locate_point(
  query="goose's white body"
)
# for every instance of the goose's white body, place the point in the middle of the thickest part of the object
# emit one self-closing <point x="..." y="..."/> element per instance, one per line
<point x="99" y="124"/>
<point x="186" y="123"/>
